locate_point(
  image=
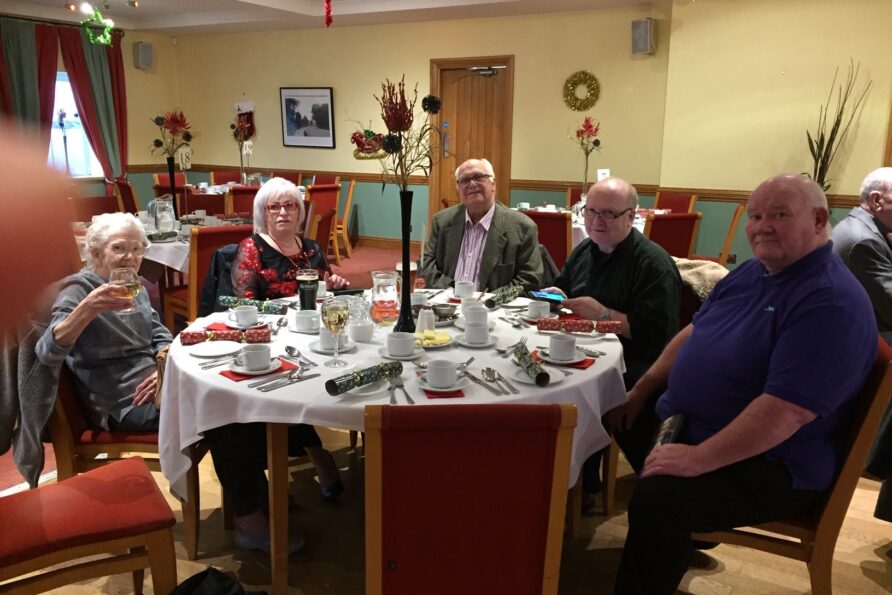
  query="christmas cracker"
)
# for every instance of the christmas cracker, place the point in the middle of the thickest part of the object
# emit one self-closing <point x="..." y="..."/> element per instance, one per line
<point x="342" y="384"/>
<point x="531" y="367"/>
<point x="264" y="307"/>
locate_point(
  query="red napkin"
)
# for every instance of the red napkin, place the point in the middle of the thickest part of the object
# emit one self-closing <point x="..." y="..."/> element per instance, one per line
<point x="438" y="395"/>
<point x="454" y="300"/>
<point x="217" y="326"/>
<point x="583" y="365"/>
<point x="286" y="366"/>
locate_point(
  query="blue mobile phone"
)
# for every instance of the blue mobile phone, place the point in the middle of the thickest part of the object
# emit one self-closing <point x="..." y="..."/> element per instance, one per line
<point x="554" y="298"/>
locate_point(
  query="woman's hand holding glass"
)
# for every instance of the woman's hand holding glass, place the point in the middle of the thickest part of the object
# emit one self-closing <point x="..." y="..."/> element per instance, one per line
<point x="127" y="285"/>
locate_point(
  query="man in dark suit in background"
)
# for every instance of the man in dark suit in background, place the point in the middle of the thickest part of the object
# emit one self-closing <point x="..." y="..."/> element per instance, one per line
<point x="480" y="240"/>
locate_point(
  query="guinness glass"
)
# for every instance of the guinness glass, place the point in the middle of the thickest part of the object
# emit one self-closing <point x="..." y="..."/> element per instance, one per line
<point x="307" y="284"/>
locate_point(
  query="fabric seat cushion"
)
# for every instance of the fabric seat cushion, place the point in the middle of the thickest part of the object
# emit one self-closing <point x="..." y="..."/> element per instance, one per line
<point x="100" y="436"/>
<point x="114" y="501"/>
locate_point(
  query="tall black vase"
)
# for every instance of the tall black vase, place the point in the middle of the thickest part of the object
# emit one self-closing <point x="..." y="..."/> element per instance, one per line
<point x="173" y="186"/>
<point x="405" y="323"/>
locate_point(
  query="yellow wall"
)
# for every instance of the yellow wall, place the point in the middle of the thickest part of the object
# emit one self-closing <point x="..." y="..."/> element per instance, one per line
<point x="746" y="79"/>
<point x="214" y="72"/>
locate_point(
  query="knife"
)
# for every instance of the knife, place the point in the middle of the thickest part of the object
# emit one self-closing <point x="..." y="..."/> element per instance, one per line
<point x="488" y="387"/>
<point x="281" y="383"/>
<point x="270" y="378"/>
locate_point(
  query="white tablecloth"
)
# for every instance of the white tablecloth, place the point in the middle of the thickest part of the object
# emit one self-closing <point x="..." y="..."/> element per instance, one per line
<point x="172" y="254"/>
<point x="196" y="400"/>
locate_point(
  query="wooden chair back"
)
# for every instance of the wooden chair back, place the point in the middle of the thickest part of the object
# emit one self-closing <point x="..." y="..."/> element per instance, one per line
<point x="813" y="539"/>
<point x="324" y="196"/>
<point x="189" y="201"/>
<point x="344" y="219"/>
<point x="555" y="233"/>
<point x="225" y="176"/>
<point x="675" y="232"/>
<point x="204" y="242"/>
<point x="163" y="179"/>
<point x="320" y="227"/>
<point x="426" y="522"/>
<point x="292" y="176"/>
<point x="243" y="198"/>
<point x="574" y="193"/>
<point x="325" y="179"/>
<point x="129" y="202"/>
<point x="85" y="207"/>
<point x="677" y="202"/>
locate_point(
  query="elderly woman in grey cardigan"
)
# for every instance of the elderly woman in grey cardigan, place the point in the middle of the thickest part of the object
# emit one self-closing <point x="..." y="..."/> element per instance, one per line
<point x="111" y="355"/>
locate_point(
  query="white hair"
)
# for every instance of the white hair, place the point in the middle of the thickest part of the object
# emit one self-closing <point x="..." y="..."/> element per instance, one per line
<point x="107" y="225"/>
<point x="487" y="167"/>
<point x="879" y="180"/>
<point x="275" y="188"/>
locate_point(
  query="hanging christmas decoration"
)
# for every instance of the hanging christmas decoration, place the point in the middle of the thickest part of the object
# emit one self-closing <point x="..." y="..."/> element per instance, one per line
<point x="98" y="28"/>
<point x="327" y="13"/>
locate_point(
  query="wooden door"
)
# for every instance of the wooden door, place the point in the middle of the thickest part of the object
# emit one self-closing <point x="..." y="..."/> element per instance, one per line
<point x="476" y="121"/>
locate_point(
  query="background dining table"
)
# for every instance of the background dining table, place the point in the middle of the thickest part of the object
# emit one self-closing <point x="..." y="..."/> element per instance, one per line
<point x="195" y="400"/>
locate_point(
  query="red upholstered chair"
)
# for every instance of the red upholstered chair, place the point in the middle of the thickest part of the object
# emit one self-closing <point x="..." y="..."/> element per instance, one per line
<point x="675" y="232"/>
<point x="729" y="238"/>
<point x="555" y="233"/>
<point x="85" y="207"/>
<point x="242" y="198"/>
<point x="77" y="444"/>
<point x="430" y="520"/>
<point x="324" y="197"/>
<point x="214" y="204"/>
<point x="117" y="511"/>
<point x="292" y="176"/>
<point x="813" y="539"/>
<point x="574" y="193"/>
<point x="677" y="202"/>
<point x="129" y="202"/>
<point x="183" y="301"/>
<point x="340" y="232"/>
<point x="179" y="179"/>
<point x="324" y="179"/>
<point x="225" y="176"/>
<point x="320" y="227"/>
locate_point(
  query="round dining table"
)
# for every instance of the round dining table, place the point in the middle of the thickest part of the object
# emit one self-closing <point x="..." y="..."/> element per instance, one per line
<point x="196" y="399"/>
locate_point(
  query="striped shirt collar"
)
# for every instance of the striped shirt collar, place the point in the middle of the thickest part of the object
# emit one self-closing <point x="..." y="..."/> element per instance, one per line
<point x="485" y="221"/>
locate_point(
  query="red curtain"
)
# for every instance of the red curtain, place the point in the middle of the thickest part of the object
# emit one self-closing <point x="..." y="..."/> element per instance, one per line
<point x="47" y="41"/>
<point x="119" y="94"/>
<point x="76" y="66"/>
<point x="5" y="99"/>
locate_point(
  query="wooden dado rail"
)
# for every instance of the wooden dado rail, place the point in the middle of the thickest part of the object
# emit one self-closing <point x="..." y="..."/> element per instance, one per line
<point x="835" y="200"/>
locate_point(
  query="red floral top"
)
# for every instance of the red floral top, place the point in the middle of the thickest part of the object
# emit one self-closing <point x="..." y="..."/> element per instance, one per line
<point x="262" y="272"/>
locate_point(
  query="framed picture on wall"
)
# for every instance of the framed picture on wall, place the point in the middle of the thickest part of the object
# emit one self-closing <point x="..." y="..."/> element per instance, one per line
<point x="307" y="117"/>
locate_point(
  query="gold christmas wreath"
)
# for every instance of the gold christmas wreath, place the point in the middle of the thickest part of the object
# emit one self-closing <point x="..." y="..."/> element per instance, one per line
<point x="585" y="79"/>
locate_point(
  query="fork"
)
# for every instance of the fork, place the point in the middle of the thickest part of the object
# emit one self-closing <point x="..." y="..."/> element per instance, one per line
<point x="398" y="383"/>
<point x="390" y="389"/>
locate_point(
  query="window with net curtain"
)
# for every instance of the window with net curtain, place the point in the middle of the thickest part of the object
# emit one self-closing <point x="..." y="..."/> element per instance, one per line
<point x="70" y="150"/>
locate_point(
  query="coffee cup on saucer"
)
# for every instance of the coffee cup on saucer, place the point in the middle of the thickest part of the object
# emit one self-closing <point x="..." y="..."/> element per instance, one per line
<point x="244" y="315"/>
<point x="361" y="331"/>
<point x="305" y="321"/>
<point x="537" y="309"/>
<point x="522" y="206"/>
<point x="327" y="340"/>
<point x="441" y="373"/>
<point x="475" y="313"/>
<point x="400" y="344"/>
<point x="254" y="357"/>
<point x="562" y="347"/>
<point x="463" y="289"/>
<point x="476" y="333"/>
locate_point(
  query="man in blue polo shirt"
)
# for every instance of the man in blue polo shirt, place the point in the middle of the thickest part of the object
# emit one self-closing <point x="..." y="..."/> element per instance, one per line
<point x="765" y="377"/>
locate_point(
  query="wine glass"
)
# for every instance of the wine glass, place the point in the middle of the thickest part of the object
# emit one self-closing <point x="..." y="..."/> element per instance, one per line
<point x="129" y="281"/>
<point x="335" y="313"/>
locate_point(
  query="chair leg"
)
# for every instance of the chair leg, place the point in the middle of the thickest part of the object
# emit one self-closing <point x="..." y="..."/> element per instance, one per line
<point x="820" y="570"/>
<point x="191" y="511"/>
<point x="608" y="471"/>
<point x="346" y="239"/>
<point x="337" y="251"/>
<point x="162" y="560"/>
<point x="169" y="316"/>
<point x="138" y="580"/>
<point x="573" y="522"/>
<point x="226" y="507"/>
<point x="353" y="436"/>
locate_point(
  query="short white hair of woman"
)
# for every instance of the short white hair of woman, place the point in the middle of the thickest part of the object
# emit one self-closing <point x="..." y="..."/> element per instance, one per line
<point x="278" y="189"/>
<point x="107" y="225"/>
<point x="487" y="167"/>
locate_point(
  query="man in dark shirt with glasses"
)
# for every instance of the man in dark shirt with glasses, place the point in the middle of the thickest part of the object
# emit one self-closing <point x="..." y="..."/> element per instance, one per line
<point x="618" y="274"/>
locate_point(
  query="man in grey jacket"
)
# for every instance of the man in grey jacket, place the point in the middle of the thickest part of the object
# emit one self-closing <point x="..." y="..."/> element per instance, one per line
<point x="480" y="240"/>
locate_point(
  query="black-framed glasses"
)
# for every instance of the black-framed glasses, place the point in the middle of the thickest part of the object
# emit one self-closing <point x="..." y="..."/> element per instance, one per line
<point x="275" y="207"/>
<point x="476" y="178"/>
<point x="606" y="214"/>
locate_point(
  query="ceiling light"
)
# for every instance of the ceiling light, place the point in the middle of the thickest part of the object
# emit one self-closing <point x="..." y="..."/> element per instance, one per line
<point x="86" y="8"/>
<point x="71" y="6"/>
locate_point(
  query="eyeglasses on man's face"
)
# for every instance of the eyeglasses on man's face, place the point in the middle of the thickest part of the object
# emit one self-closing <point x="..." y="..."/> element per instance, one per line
<point x="275" y="207"/>
<point x="605" y="215"/>
<point x="476" y="178"/>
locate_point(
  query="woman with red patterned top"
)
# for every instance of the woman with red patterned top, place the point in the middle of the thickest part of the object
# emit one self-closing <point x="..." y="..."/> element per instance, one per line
<point x="266" y="264"/>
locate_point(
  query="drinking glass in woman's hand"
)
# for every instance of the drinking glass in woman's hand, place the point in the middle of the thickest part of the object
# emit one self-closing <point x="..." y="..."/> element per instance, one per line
<point x="129" y="284"/>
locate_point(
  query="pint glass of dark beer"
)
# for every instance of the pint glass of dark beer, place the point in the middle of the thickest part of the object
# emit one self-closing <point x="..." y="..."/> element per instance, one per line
<point x="307" y="284"/>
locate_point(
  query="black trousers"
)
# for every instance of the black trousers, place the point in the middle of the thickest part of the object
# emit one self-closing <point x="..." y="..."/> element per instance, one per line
<point x="142" y="418"/>
<point x="239" y="454"/>
<point x="664" y="511"/>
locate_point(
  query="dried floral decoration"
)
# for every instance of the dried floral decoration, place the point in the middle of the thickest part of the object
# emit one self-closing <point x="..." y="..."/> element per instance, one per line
<point x="587" y="138"/>
<point x="175" y="133"/>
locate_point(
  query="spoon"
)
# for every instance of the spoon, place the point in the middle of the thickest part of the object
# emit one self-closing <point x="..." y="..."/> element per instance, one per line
<point x="489" y="374"/>
<point x="279" y="324"/>
<point x="512" y="321"/>
<point x="295" y="354"/>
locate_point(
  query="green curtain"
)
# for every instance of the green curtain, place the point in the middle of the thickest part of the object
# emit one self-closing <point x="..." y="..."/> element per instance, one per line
<point x="103" y="100"/>
<point x="20" y="54"/>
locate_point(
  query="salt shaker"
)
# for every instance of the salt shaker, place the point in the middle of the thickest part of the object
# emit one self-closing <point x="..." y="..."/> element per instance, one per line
<point x="426" y="320"/>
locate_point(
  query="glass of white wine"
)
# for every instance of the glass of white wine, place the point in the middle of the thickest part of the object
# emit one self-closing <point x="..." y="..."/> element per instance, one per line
<point x="129" y="281"/>
<point x="335" y="313"/>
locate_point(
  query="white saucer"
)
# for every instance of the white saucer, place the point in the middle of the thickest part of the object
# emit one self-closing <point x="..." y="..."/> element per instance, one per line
<point x="368" y="389"/>
<point x="239" y="327"/>
<point x="443" y="323"/>
<point x="460" y="323"/>
<point x="401" y="358"/>
<point x="214" y="348"/>
<point x="460" y="383"/>
<point x="551" y="316"/>
<point x="490" y="341"/>
<point x="521" y="376"/>
<point x="313" y="332"/>
<point x="165" y="241"/>
<point x="440" y="346"/>
<point x="580" y="356"/>
<point x="273" y="366"/>
<point x="317" y="348"/>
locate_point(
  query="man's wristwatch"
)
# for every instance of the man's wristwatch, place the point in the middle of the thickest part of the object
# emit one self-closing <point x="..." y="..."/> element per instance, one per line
<point x="607" y="314"/>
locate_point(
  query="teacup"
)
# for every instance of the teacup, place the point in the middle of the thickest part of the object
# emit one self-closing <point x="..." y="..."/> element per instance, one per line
<point x="306" y="321"/>
<point x="476" y="333"/>
<point x="203" y="186"/>
<point x="441" y="373"/>
<point x="201" y="213"/>
<point x="361" y="331"/>
<point x="469" y="302"/>
<point x="537" y="309"/>
<point x="327" y="340"/>
<point x="211" y="221"/>
<point x="254" y="357"/>
<point x="475" y="313"/>
<point x="463" y="289"/>
<point x="562" y="347"/>
<point x="320" y="292"/>
<point x="400" y="344"/>
<point x="522" y="206"/>
<point x="418" y="298"/>
<point x="244" y="315"/>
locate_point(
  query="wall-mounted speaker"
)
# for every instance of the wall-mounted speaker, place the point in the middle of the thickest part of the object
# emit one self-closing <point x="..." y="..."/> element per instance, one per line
<point x="643" y="36"/>
<point x="142" y="55"/>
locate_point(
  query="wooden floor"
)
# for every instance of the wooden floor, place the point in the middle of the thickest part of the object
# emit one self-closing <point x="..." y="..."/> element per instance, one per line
<point x="332" y="562"/>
